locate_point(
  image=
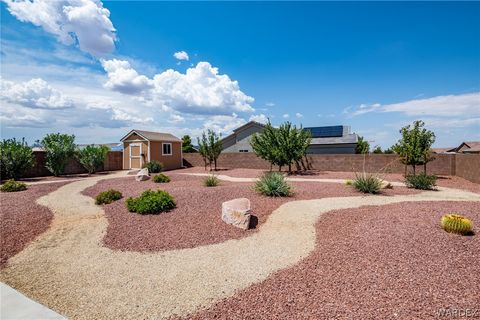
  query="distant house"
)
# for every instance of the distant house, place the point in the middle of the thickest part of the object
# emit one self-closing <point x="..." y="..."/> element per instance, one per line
<point x="330" y="139"/>
<point x="141" y="146"/>
<point x="464" y="147"/>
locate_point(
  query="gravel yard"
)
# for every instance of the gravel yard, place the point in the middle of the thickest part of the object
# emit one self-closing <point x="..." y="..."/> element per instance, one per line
<point x="196" y="220"/>
<point x="22" y="219"/>
<point x="373" y="262"/>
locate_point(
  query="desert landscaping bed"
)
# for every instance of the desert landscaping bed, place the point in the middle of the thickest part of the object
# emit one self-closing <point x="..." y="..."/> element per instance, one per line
<point x="22" y="219"/>
<point x="373" y="262"/>
<point x="196" y="221"/>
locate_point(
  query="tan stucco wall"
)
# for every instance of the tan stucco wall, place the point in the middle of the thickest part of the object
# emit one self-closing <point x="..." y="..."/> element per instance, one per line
<point x="126" y="150"/>
<point x="169" y="162"/>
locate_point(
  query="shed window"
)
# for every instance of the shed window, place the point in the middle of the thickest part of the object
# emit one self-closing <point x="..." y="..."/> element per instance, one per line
<point x="166" y="149"/>
<point x="242" y="150"/>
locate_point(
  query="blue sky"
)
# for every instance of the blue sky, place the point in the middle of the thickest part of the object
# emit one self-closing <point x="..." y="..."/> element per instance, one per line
<point x="99" y="69"/>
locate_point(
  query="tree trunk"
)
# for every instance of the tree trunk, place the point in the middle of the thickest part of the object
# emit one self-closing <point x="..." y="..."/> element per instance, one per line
<point x="414" y="169"/>
<point x="289" y="168"/>
<point x="279" y="168"/>
<point x="215" y="163"/>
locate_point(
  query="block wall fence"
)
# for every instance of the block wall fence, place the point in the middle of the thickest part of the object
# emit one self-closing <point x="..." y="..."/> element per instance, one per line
<point x="463" y="165"/>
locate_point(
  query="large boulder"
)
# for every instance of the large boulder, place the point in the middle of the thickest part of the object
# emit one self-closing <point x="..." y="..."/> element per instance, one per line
<point x="142" y="175"/>
<point x="237" y="212"/>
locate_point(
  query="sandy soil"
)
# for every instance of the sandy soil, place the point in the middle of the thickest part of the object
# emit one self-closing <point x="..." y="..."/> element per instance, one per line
<point x="389" y="262"/>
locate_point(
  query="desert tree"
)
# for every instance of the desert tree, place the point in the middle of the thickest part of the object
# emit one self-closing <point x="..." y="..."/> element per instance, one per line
<point x="210" y="148"/>
<point x="16" y="158"/>
<point x="187" y="146"/>
<point x="363" y="147"/>
<point x="92" y="157"/>
<point x="59" y="149"/>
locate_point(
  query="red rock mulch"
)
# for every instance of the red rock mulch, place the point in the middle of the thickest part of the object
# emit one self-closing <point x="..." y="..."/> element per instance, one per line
<point x="387" y="262"/>
<point x="22" y="219"/>
<point x="197" y="219"/>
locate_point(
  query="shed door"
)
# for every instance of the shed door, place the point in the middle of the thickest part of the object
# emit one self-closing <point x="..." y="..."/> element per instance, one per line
<point x="135" y="156"/>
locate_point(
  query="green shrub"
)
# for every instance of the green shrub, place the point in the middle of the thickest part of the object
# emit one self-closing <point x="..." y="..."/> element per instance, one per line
<point x="15" y="158"/>
<point x="161" y="178"/>
<point x="421" y="181"/>
<point x="349" y="183"/>
<point x="153" y="166"/>
<point x="59" y="149"/>
<point x="151" y="202"/>
<point x="92" y="157"/>
<point x="13" y="186"/>
<point x="456" y="224"/>
<point x="108" y="196"/>
<point x="367" y="183"/>
<point x="211" y="181"/>
<point x="273" y="184"/>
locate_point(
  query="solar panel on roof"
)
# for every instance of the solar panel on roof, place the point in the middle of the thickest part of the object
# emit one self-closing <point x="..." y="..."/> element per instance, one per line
<point x="326" y="132"/>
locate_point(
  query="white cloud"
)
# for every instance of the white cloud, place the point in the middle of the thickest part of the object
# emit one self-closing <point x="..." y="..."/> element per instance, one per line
<point x="270" y="104"/>
<point x="181" y="55"/>
<point x="35" y="93"/>
<point x="224" y="124"/>
<point x="286" y="116"/>
<point x="82" y="22"/>
<point x="176" y="118"/>
<point x="259" y="118"/>
<point x="123" y="78"/>
<point x="298" y="115"/>
<point x="201" y="90"/>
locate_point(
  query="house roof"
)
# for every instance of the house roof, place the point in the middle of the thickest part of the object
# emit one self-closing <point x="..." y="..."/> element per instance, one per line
<point x="243" y="127"/>
<point x="472" y="144"/>
<point x="153" y="136"/>
<point x="350" y="138"/>
<point x="442" y="150"/>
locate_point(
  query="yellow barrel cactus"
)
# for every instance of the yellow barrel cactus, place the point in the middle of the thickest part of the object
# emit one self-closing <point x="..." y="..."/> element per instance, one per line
<point x="456" y="224"/>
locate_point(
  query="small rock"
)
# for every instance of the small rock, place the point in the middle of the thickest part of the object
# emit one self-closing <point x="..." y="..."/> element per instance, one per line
<point x="142" y="175"/>
<point x="237" y="212"/>
<point x="386" y="185"/>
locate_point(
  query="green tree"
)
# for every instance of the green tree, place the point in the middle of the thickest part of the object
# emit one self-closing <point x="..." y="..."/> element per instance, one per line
<point x="187" y="146"/>
<point x="389" y="150"/>
<point x="377" y="150"/>
<point x="92" y="157"/>
<point x="59" y="149"/>
<point x="414" y="145"/>
<point x="266" y="146"/>
<point x="210" y="147"/>
<point x="362" y="146"/>
<point x="15" y="158"/>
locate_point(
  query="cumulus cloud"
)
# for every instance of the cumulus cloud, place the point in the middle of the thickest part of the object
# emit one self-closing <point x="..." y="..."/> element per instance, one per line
<point x="201" y="90"/>
<point x="298" y="115"/>
<point x="286" y="116"/>
<point x="35" y="93"/>
<point x="259" y="118"/>
<point x="441" y="106"/>
<point x="224" y="123"/>
<point x="123" y="78"/>
<point x="176" y="118"/>
<point x="83" y="22"/>
<point x="181" y="55"/>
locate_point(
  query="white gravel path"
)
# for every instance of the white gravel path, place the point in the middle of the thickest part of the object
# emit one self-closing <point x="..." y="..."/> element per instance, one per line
<point x="69" y="271"/>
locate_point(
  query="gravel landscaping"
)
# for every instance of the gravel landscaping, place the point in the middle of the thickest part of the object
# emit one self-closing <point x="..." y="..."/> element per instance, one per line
<point x="196" y="220"/>
<point x="373" y="262"/>
<point x="22" y="219"/>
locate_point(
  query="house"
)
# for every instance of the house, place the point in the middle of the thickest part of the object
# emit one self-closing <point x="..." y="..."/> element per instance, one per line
<point x="330" y="139"/>
<point x="464" y="147"/>
<point x="140" y="147"/>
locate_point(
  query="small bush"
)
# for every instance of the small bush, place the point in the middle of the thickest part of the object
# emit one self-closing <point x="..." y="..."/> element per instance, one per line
<point x="151" y="202"/>
<point x="161" y="178"/>
<point x="153" y="166"/>
<point x="349" y="183"/>
<point x="211" y="181"/>
<point x="108" y="196"/>
<point x="273" y="184"/>
<point x="367" y="183"/>
<point x="16" y="158"/>
<point x="92" y="157"/>
<point x="13" y="186"/>
<point x="421" y="181"/>
<point x="456" y="224"/>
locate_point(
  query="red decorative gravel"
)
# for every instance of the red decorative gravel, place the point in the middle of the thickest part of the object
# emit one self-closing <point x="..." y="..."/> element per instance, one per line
<point x="22" y="219"/>
<point x="388" y="262"/>
<point x="197" y="219"/>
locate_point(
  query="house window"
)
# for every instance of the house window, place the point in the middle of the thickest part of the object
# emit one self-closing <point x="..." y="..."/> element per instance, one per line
<point x="243" y="150"/>
<point x="166" y="149"/>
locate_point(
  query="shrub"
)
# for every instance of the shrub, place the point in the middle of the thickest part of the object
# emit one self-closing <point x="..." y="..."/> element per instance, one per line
<point x="13" y="186"/>
<point x="161" y="178"/>
<point x="211" y="181"/>
<point x="151" y="202"/>
<point x="108" y="196"/>
<point x="59" y="148"/>
<point x="367" y="183"/>
<point x="153" y="166"/>
<point x="421" y="181"/>
<point x="15" y="158"/>
<point x="349" y="183"/>
<point x="456" y="224"/>
<point x="92" y="157"/>
<point x="273" y="184"/>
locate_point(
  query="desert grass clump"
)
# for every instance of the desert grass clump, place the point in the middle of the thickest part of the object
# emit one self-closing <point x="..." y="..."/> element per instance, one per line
<point x="421" y="181"/>
<point x="13" y="186"/>
<point x="367" y="183"/>
<point x="161" y="178"/>
<point x="455" y="223"/>
<point x="211" y="181"/>
<point x="273" y="184"/>
<point x="151" y="202"/>
<point x="108" y="196"/>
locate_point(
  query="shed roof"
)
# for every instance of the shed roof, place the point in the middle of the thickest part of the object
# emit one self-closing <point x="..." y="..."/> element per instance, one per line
<point x="153" y="136"/>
